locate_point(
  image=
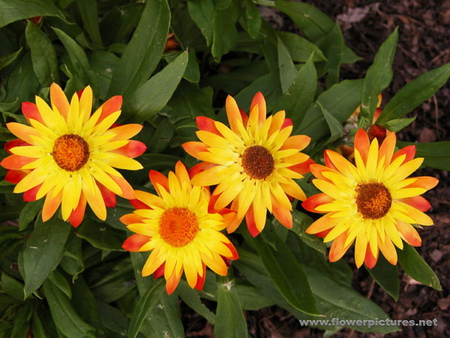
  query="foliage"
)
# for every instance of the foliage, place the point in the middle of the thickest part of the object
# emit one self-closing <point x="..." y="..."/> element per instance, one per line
<point x="59" y="281"/>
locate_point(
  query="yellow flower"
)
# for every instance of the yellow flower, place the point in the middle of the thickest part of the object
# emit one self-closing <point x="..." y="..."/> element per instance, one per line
<point x="372" y="203"/>
<point x="180" y="230"/>
<point x="253" y="164"/>
<point x="68" y="155"/>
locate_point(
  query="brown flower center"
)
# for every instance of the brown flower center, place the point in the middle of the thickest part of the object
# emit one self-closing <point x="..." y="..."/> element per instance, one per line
<point x="373" y="200"/>
<point x="258" y="162"/>
<point x="70" y="152"/>
<point x="178" y="226"/>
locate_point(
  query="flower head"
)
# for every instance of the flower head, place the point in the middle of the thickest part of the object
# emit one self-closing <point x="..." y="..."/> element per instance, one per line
<point x="253" y="164"/>
<point x="180" y="229"/>
<point x="68" y="156"/>
<point x="372" y="203"/>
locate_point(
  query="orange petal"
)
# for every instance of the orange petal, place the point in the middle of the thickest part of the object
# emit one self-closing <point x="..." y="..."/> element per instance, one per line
<point x="302" y="168"/>
<point x="126" y="131"/>
<point x="132" y="149"/>
<point x="417" y="202"/>
<point x="410" y="234"/>
<point x="16" y="162"/>
<point x="108" y="196"/>
<point x="111" y="106"/>
<point x="51" y="204"/>
<point x="135" y="242"/>
<point x="362" y="143"/>
<point x="22" y="131"/>
<point x="77" y="215"/>
<point x="314" y="201"/>
<point x="387" y="148"/>
<point x="30" y="195"/>
<point x="201" y="279"/>
<point x="158" y="179"/>
<point x="338" y="248"/>
<point x="258" y="100"/>
<point x="194" y="147"/>
<point x="324" y="223"/>
<point x="409" y="151"/>
<point x="15" y="176"/>
<point x="127" y="189"/>
<point x="233" y="114"/>
<point x="30" y="111"/>
<point x="207" y="124"/>
<point x="251" y="224"/>
<point x="299" y="142"/>
<point x="130" y="219"/>
<point x="426" y="182"/>
<point x="59" y="100"/>
<point x="281" y="213"/>
<point x="370" y="260"/>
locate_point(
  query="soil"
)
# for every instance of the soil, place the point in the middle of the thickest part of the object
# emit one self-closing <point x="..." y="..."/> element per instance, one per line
<point x="424" y="44"/>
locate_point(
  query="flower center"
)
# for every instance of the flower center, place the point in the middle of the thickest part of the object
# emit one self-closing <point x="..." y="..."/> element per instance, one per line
<point x="373" y="200"/>
<point x="178" y="226"/>
<point x="70" y="152"/>
<point x="258" y="162"/>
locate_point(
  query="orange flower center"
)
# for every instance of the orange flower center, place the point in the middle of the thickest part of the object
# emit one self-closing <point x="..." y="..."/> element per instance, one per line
<point x="178" y="226"/>
<point x="373" y="200"/>
<point x="71" y="152"/>
<point x="258" y="162"/>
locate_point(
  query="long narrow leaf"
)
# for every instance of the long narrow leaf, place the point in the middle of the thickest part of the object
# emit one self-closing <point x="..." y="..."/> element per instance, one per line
<point x="43" y="252"/>
<point x="144" y="51"/>
<point x="14" y="10"/>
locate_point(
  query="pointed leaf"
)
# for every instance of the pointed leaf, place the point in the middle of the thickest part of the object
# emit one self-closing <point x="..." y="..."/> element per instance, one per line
<point x="414" y="93"/>
<point x="64" y="315"/>
<point x="153" y="95"/>
<point x="286" y="274"/>
<point x="230" y="320"/>
<point x="386" y="275"/>
<point x="148" y="301"/>
<point x="378" y="77"/>
<point x="286" y="66"/>
<point x="144" y="51"/>
<point x="14" y="10"/>
<point x="43" y="252"/>
<point x="417" y="268"/>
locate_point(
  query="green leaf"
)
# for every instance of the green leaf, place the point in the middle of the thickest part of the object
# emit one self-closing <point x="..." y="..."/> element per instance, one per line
<point x="224" y="30"/>
<point x="43" y="55"/>
<point x="414" y="93"/>
<point x="386" y="275"/>
<point x="340" y="101"/>
<point x="89" y="15"/>
<point x="58" y="279"/>
<point x="101" y="236"/>
<point x="435" y="154"/>
<point x="113" y="319"/>
<point x="66" y="319"/>
<point x="301" y="222"/>
<point x="28" y="213"/>
<point x="300" y="94"/>
<point x="252" y="298"/>
<point x="72" y="261"/>
<point x="143" y="52"/>
<point x="43" y="251"/>
<point x="164" y="319"/>
<point x="286" y="273"/>
<point x="79" y="60"/>
<point x="230" y="320"/>
<point x="201" y="12"/>
<point x="12" y="287"/>
<point x="334" y="125"/>
<point x="192" y="298"/>
<point x="332" y="45"/>
<point x="253" y="19"/>
<point x="37" y="326"/>
<point x="152" y="96"/>
<point x="378" y="77"/>
<point x="14" y="10"/>
<point x="148" y="301"/>
<point x="8" y="59"/>
<point x="417" y="268"/>
<point x="300" y="48"/>
<point x="398" y="124"/>
<point x="286" y="66"/>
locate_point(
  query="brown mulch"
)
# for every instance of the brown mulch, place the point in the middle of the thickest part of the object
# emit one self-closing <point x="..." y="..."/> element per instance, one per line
<point x="424" y="44"/>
